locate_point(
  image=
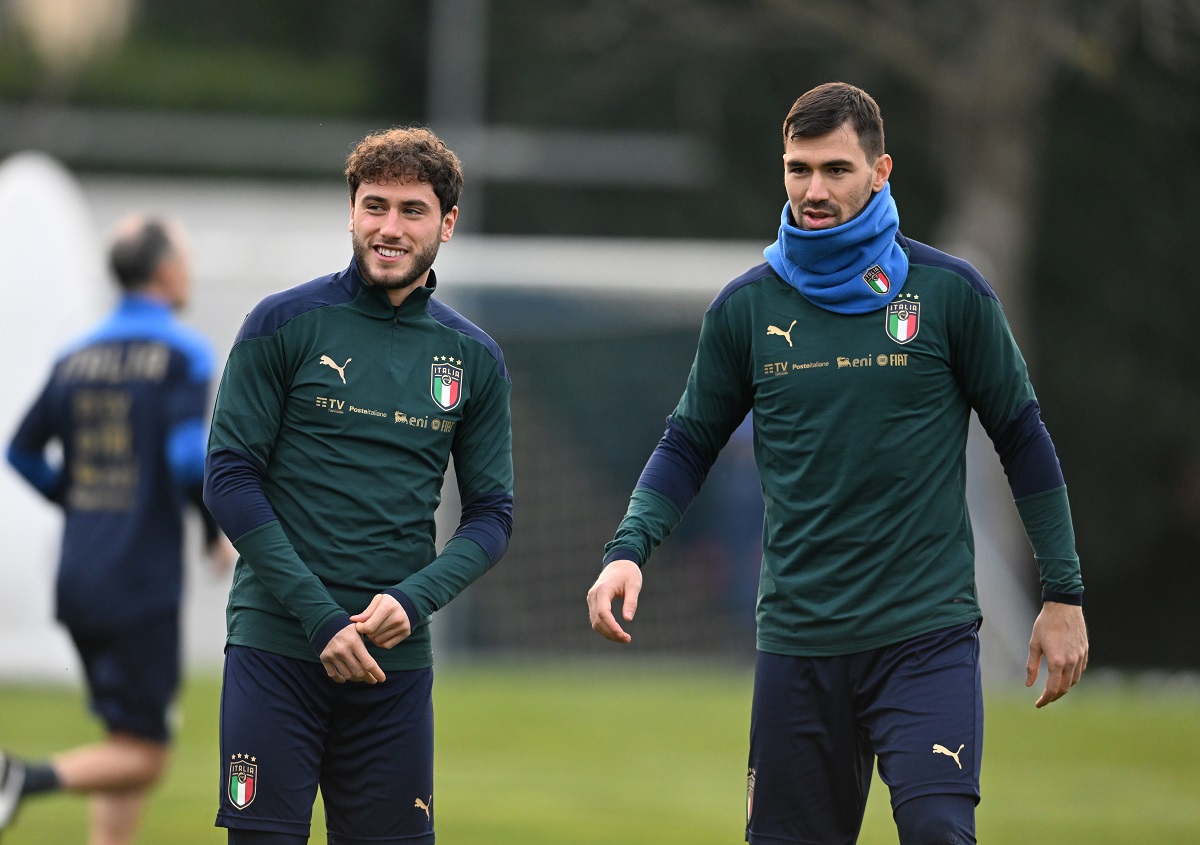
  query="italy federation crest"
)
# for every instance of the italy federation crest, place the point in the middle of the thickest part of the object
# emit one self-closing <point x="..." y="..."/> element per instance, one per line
<point x="445" y="385"/>
<point x="877" y="280"/>
<point x="242" y="778"/>
<point x="903" y="320"/>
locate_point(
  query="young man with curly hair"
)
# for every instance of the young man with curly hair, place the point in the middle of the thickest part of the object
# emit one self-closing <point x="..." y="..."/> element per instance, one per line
<point x="341" y="404"/>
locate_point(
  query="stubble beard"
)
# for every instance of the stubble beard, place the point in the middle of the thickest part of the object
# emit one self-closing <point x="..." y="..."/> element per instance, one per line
<point x="858" y="202"/>
<point x="422" y="259"/>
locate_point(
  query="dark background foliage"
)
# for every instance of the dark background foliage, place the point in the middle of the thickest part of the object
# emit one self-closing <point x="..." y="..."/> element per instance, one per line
<point x="1105" y="211"/>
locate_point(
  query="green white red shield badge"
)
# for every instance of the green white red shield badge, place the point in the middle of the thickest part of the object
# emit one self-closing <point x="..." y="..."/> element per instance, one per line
<point x="877" y="280"/>
<point x="445" y="385"/>
<point x="903" y="320"/>
<point x="242" y="779"/>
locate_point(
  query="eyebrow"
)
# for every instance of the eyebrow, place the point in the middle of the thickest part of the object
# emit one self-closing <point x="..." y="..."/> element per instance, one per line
<point x="415" y="203"/>
<point x="837" y="162"/>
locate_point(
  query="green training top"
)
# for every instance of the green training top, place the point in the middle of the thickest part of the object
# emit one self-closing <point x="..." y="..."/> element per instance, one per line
<point x="860" y="427"/>
<point x="334" y="424"/>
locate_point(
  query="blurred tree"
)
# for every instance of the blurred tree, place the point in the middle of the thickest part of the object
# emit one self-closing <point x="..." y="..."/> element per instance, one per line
<point x="380" y="47"/>
<point x="1050" y="141"/>
<point x="358" y="58"/>
<point x="68" y="34"/>
<point x="1058" y="157"/>
<point x="987" y="73"/>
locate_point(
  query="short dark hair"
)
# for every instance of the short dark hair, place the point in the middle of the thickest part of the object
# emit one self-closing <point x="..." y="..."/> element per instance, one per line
<point x="406" y="153"/>
<point x="827" y="107"/>
<point x="135" y="256"/>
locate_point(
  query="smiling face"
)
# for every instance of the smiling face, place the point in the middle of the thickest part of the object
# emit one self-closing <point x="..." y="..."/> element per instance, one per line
<point x="396" y="228"/>
<point x="829" y="178"/>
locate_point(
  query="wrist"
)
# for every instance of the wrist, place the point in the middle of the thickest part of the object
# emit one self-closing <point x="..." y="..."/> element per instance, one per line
<point x="1075" y="599"/>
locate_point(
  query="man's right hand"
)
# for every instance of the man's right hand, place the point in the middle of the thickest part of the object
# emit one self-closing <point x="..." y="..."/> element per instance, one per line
<point x="346" y="659"/>
<point x="621" y="578"/>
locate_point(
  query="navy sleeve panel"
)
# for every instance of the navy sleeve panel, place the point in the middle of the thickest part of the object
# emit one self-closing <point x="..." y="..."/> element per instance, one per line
<point x="279" y="308"/>
<point x="329" y="631"/>
<point x="410" y="607"/>
<point x="621" y="553"/>
<point x="450" y="318"/>
<point x="919" y="253"/>
<point x="27" y="452"/>
<point x="233" y="493"/>
<point x="34" y="469"/>
<point x="1075" y="599"/>
<point x="676" y="468"/>
<point x="1027" y="453"/>
<point x="755" y="273"/>
<point x="488" y="521"/>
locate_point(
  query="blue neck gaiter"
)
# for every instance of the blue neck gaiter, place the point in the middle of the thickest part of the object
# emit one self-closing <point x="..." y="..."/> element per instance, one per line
<point x="853" y="268"/>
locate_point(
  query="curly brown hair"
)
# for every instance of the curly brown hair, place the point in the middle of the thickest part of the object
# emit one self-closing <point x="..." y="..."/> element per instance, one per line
<point x="406" y="153"/>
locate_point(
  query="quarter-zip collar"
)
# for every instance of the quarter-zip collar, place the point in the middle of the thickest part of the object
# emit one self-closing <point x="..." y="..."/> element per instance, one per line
<point x="374" y="301"/>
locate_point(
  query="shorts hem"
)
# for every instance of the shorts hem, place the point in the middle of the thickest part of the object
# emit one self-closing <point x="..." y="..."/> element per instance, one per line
<point x="768" y="839"/>
<point x="935" y="789"/>
<point x="415" y="839"/>
<point x="113" y="726"/>
<point x="266" y="825"/>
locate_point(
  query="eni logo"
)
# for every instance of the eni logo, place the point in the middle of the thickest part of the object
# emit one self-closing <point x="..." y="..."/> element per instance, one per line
<point x="421" y="805"/>
<point x="941" y="749"/>
<point x="785" y="335"/>
<point x="341" y="371"/>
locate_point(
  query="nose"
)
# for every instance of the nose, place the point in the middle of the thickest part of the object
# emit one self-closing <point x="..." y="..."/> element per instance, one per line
<point x="392" y="226"/>
<point x="817" y="189"/>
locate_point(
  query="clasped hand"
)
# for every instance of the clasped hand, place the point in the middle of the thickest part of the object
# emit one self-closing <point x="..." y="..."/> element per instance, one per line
<point x="384" y="622"/>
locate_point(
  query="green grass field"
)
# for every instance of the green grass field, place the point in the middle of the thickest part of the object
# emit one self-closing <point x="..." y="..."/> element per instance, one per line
<point x="638" y="751"/>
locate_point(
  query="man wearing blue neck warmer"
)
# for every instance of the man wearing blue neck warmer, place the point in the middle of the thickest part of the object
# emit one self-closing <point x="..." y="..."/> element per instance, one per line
<point x="862" y="354"/>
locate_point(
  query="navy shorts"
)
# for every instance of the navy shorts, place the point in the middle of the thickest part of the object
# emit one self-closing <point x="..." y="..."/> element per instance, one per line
<point x="819" y="724"/>
<point x="287" y="728"/>
<point x="132" y="676"/>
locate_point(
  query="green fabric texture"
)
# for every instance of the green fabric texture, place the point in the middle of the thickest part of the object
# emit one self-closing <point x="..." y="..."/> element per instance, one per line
<point x="859" y="438"/>
<point x="1047" y="520"/>
<point x="336" y="408"/>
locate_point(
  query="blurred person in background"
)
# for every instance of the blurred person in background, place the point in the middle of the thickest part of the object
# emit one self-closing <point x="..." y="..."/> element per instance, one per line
<point x="126" y="408"/>
<point x="341" y="405"/>
<point x="862" y="354"/>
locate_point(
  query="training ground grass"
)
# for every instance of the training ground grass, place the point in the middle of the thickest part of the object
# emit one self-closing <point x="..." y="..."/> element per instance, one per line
<point x="647" y="753"/>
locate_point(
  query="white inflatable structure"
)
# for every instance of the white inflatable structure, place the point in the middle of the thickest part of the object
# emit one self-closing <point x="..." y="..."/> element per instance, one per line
<point x="53" y="285"/>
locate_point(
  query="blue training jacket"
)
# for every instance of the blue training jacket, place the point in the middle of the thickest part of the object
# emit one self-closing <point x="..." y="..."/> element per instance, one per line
<point x="126" y="406"/>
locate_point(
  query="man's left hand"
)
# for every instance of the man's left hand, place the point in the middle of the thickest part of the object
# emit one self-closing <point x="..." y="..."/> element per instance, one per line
<point x="1059" y="635"/>
<point x="384" y="622"/>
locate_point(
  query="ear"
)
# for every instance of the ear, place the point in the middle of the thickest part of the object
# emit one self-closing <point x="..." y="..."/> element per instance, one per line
<point x="448" y="224"/>
<point x="881" y="171"/>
